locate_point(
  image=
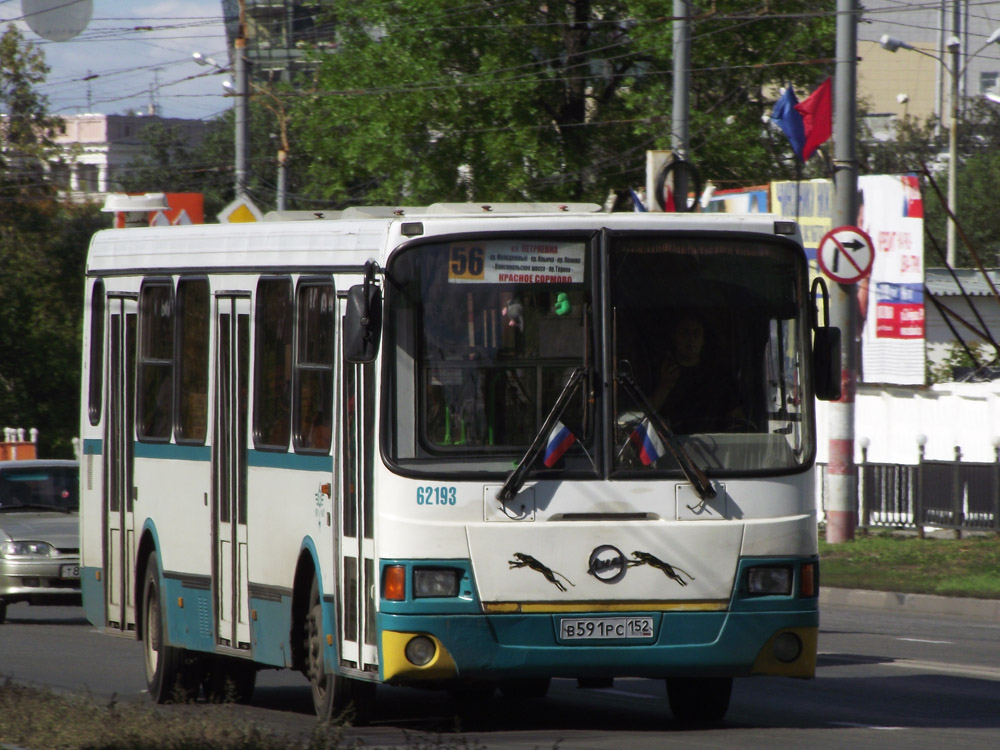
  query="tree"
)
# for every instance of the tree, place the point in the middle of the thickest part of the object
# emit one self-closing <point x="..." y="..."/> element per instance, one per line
<point x="442" y="101"/>
<point x="43" y="244"/>
<point x="27" y="131"/>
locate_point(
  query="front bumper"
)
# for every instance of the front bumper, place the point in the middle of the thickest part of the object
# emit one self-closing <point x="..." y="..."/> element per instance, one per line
<point x="39" y="579"/>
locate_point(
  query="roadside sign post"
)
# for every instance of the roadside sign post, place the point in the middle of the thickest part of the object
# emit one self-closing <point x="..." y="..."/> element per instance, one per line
<point x="845" y="254"/>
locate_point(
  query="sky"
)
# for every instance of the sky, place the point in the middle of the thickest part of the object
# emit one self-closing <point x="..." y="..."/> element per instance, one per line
<point x="128" y="66"/>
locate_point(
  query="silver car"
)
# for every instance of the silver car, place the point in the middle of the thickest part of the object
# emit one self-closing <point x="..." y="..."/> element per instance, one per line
<point x="39" y="533"/>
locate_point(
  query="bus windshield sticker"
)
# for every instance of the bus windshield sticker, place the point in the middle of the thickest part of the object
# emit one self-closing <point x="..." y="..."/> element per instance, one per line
<point x="516" y="262"/>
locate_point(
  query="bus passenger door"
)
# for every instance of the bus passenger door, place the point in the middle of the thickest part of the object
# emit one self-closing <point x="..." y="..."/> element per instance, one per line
<point x="358" y="576"/>
<point x="119" y="495"/>
<point x="229" y="472"/>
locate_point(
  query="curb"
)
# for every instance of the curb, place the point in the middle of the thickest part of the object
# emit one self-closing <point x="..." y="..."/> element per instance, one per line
<point x="924" y="604"/>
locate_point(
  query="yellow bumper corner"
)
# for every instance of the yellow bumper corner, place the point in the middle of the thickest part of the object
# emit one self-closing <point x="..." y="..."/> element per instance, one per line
<point x="395" y="665"/>
<point x="804" y="666"/>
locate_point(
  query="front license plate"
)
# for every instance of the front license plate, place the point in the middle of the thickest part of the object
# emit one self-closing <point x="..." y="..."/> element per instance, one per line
<point x="605" y="628"/>
<point x="69" y="571"/>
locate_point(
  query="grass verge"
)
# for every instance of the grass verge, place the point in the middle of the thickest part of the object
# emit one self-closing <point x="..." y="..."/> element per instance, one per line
<point x="886" y="561"/>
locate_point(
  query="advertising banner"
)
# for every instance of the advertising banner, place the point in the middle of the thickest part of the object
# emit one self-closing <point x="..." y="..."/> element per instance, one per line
<point x="890" y="301"/>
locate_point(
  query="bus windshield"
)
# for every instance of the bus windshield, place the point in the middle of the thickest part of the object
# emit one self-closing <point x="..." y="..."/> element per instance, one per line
<point x="488" y="332"/>
<point x="710" y="334"/>
<point x="697" y="344"/>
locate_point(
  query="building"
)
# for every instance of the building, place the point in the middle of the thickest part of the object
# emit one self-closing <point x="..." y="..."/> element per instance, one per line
<point x="98" y="149"/>
<point x="984" y="311"/>
<point x="278" y="32"/>
<point x="917" y="81"/>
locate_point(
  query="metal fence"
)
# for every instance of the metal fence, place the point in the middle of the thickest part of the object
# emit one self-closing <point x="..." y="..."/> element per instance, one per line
<point x="944" y="494"/>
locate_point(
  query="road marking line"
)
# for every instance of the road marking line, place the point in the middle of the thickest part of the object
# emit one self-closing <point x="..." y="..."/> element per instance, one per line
<point x="925" y="640"/>
<point x="990" y="673"/>
<point x="854" y="725"/>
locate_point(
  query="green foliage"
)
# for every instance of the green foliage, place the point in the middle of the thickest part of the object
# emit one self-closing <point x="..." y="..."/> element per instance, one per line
<point x="894" y="562"/>
<point x="27" y="130"/>
<point x="958" y="357"/>
<point x="43" y="245"/>
<point x="442" y="101"/>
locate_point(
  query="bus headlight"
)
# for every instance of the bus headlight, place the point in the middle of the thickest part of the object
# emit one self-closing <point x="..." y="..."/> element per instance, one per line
<point x="420" y="650"/>
<point x="769" y="581"/>
<point x="787" y="647"/>
<point x="441" y="582"/>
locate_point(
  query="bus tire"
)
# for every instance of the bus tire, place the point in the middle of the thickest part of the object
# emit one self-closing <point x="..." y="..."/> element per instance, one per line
<point x="169" y="676"/>
<point x="329" y="691"/>
<point x="699" y="700"/>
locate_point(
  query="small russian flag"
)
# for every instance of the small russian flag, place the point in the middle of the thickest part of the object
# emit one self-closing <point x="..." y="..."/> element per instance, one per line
<point x="560" y="439"/>
<point x="647" y="441"/>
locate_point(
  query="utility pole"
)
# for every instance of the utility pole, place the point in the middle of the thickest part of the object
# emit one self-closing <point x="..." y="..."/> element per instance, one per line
<point x="842" y="486"/>
<point x="955" y="48"/>
<point x="679" y="127"/>
<point x="241" y="108"/>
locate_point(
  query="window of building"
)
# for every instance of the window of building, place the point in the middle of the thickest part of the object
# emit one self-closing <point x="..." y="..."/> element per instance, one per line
<point x="273" y="363"/>
<point x="316" y="306"/>
<point x="988" y="80"/>
<point x="87" y="177"/>
<point x="154" y="420"/>
<point x="193" y="316"/>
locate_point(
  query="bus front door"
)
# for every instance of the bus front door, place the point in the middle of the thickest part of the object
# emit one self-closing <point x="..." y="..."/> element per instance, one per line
<point x="229" y="473"/>
<point x="356" y="538"/>
<point x="119" y="496"/>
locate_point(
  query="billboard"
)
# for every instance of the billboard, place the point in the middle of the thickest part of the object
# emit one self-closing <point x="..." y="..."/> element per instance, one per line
<point x="891" y="300"/>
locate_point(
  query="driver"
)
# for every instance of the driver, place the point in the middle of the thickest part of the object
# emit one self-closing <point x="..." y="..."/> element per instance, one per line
<point x="693" y="393"/>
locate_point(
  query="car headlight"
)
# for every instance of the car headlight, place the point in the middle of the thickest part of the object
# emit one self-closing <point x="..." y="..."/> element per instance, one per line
<point x="26" y="549"/>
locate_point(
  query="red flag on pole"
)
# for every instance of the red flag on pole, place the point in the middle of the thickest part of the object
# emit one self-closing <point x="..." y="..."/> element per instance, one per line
<point x="817" y="118"/>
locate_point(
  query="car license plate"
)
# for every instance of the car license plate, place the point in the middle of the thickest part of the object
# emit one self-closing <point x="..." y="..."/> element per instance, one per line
<point x="69" y="571"/>
<point x="605" y="628"/>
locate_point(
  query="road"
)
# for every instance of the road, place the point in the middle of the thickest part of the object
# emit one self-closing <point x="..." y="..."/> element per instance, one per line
<point x="885" y="680"/>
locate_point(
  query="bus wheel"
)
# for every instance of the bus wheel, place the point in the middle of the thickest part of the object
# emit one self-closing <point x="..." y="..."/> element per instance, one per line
<point x="229" y="680"/>
<point x="166" y="676"/>
<point x="329" y="691"/>
<point x="699" y="700"/>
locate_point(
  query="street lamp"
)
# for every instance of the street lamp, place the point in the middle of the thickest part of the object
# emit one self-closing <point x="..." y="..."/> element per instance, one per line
<point x="955" y="70"/>
<point x="239" y="110"/>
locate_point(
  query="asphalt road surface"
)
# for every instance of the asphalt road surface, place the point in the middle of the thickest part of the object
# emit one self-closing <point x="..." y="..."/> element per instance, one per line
<point x="885" y="680"/>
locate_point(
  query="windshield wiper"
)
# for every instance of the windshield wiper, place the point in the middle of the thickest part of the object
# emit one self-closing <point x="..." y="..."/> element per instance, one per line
<point x="691" y="471"/>
<point x="516" y="479"/>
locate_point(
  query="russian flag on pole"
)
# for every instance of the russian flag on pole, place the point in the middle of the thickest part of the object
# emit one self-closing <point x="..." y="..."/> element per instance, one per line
<point x="560" y="439"/>
<point x="807" y="124"/>
<point x="647" y="441"/>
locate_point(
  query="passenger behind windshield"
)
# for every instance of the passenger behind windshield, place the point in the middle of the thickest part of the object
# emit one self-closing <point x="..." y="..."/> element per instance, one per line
<point x="694" y="392"/>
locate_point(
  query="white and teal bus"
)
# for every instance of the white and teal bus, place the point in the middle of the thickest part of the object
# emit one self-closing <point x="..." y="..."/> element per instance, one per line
<point x="448" y="447"/>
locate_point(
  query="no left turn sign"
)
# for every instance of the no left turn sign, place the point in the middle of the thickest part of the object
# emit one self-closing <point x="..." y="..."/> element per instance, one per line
<point x="845" y="254"/>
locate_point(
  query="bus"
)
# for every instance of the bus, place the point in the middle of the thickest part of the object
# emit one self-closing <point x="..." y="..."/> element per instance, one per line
<point x="436" y="447"/>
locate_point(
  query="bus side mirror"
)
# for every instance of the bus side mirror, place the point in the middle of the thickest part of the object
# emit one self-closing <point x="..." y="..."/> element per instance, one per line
<point x="826" y="362"/>
<point x="363" y="323"/>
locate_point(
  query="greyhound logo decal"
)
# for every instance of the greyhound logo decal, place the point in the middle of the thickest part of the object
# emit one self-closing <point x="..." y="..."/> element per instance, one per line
<point x="522" y="560"/>
<point x="671" y="572"/>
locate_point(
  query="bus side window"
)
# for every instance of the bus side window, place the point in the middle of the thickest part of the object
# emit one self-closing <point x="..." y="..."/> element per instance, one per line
<point x="154" y="418"/>
<point x="273" y="363"/>
<point x="96" y="363"/>
<point x="193" y="313"/>
<point x="314" y="365"/>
